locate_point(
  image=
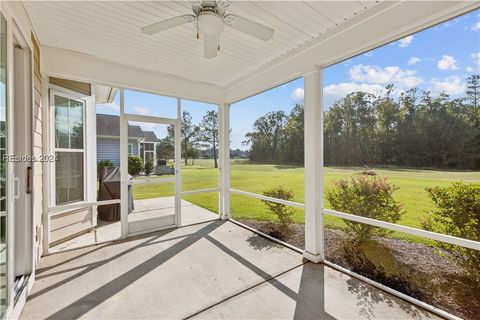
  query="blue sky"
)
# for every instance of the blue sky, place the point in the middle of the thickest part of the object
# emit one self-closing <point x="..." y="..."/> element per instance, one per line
<point x="436" y="59"/>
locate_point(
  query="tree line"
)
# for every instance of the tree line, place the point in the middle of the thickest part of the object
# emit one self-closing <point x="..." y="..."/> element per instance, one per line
<point x="197" y="140"/>
<point x="413" y="129"/>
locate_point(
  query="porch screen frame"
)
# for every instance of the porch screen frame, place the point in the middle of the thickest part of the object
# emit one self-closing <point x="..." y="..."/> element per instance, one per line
<point x="124" y="118"/>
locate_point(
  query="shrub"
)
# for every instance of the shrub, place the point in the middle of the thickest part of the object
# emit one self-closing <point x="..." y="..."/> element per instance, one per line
<point x="283" y="212"/>
<point x="135" y="165"/>
<point x="148" y="167"/>
<point x="104" y="163"/>
<point x="366" y="196"/>
<point x="457" y="214"/>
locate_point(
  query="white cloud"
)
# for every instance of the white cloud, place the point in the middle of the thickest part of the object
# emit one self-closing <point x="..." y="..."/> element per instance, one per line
<point x="451" y="23"/>
<point x="335" y="92"/>
<point x="476" y="57"/>
<point x="413" y="61"/>
<point x="297" y="95"/>
<point x="451" y="85"/>
<point x="389" y="75"/>
<point x="405" y="42"/>
<point x="141" y="110"/>
<point x="476" y="27"/>
<point x="447" y="63"/>
<point x="469" y="69"/>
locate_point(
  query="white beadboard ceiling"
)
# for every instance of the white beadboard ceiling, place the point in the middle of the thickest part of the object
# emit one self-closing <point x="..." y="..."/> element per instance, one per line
<point x="110" y="30"/>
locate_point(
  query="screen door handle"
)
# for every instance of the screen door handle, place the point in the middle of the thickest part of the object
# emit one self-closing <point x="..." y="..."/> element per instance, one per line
<point x="16" y="188"/>
<point x="29" y="180"/>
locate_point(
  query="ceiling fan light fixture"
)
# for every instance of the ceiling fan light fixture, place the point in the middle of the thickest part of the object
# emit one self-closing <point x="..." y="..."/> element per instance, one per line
<point x="210" y="18"/>
<point x="210" y="24"/>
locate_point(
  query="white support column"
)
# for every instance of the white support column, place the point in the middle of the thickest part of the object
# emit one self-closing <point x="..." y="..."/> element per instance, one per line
<point x="123" y="167"/>
<point x="178" y="165"/>
<point x="224" y="160"/>
<point x="314" y="232"/>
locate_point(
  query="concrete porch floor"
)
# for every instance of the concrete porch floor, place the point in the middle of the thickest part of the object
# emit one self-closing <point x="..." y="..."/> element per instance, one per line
<point x="145" y="209"/>
<point x="209" y="270"/>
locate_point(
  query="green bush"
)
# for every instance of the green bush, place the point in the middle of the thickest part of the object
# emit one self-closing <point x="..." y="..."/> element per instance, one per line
<point x="457" y="214"/>
<point x="283" y="212"/>
<point x="104" y="163"/>
<point x="366" y="196"/>
<point x="148" y="167"/>
<point x="135" y="165"/>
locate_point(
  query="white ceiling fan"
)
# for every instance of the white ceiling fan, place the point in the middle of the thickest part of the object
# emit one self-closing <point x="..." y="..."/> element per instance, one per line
<point x="210" y="18"/>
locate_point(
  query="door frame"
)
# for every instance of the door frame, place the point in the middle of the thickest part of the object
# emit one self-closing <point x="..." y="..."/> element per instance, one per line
<point x="15" y="299"/>
<point x="176" y="122"/>
<point x="23" y="132"/>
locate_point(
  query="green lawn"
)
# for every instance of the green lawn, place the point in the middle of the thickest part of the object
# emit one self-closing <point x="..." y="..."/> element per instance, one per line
<point x="259" y="177"/>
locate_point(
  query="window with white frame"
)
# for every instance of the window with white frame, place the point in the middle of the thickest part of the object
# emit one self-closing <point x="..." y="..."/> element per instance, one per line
<point x="130" y="148"/>
<point x="69" y="149"/>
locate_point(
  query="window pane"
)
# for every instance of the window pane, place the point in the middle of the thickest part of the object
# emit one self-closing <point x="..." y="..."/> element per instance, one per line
<point x="69" y="177"/>
<point x="68" y="123"/>
<point x="61" y="122"/>
<point x="401" y="130"/>
<point x="267" y="142"/>
<point x="76" y="124"/>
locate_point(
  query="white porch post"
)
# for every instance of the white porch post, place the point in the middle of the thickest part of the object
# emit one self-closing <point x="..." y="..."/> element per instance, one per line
<point x="178" y="164"/>
<point x="123" y="168"/>
<point x="314" y="233"/>
<point x="224" y="160"/>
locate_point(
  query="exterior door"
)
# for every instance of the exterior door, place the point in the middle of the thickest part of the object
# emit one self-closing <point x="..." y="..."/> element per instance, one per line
<point x="4" y="168"/>
<point x="152" y="195"/>
<point x="23" y="171"/>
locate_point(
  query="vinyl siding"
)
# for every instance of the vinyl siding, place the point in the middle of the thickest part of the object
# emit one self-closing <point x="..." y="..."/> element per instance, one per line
<point x="109" y="149"/>
<point x="38" y="149"/>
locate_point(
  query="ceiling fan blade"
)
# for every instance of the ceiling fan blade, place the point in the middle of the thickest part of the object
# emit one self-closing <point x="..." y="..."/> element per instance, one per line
<point x="210" y="46"/>
<point x="167" y="24"/>
<point x="249" y="27"/>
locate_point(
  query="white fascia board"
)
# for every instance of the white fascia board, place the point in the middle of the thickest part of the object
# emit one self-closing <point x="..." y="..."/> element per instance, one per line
<point x="386" y="22"/>
<point x="81" y="67"/>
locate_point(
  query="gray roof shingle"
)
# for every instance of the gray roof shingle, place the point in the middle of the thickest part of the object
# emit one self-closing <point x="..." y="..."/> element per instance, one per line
<point x="109" y="125"/>
<point x="150" y="136"/>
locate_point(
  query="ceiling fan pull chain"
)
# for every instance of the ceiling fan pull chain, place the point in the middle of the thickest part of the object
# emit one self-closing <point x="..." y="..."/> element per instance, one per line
<point x="218" y="43"/>
<point x="198" y="35"/>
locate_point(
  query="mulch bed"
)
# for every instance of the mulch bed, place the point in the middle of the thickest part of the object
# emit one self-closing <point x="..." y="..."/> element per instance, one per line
<point x="424" y="272"/>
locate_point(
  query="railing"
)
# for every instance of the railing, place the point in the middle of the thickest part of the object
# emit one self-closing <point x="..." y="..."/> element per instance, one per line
<point x="475" y="245"/>
<point x="190" y="192"/>
<point x="262" y="197"/>
<point x="470" y="244"/>
<point x="78" y="205"/>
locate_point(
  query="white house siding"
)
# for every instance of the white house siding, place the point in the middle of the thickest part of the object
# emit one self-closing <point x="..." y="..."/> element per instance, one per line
<point x="109" y="149"/>
<point x="38" y="149"/>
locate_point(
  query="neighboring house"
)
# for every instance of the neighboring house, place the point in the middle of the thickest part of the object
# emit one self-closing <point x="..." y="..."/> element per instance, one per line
<point x="140" y="143"/>
<point x="148" y="147"/>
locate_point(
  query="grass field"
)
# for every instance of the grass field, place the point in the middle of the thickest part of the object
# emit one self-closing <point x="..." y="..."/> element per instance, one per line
<point x="259" y="177"/>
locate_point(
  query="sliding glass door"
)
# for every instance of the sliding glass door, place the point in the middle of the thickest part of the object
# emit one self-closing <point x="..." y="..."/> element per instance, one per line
<point x="3" y="165"/>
